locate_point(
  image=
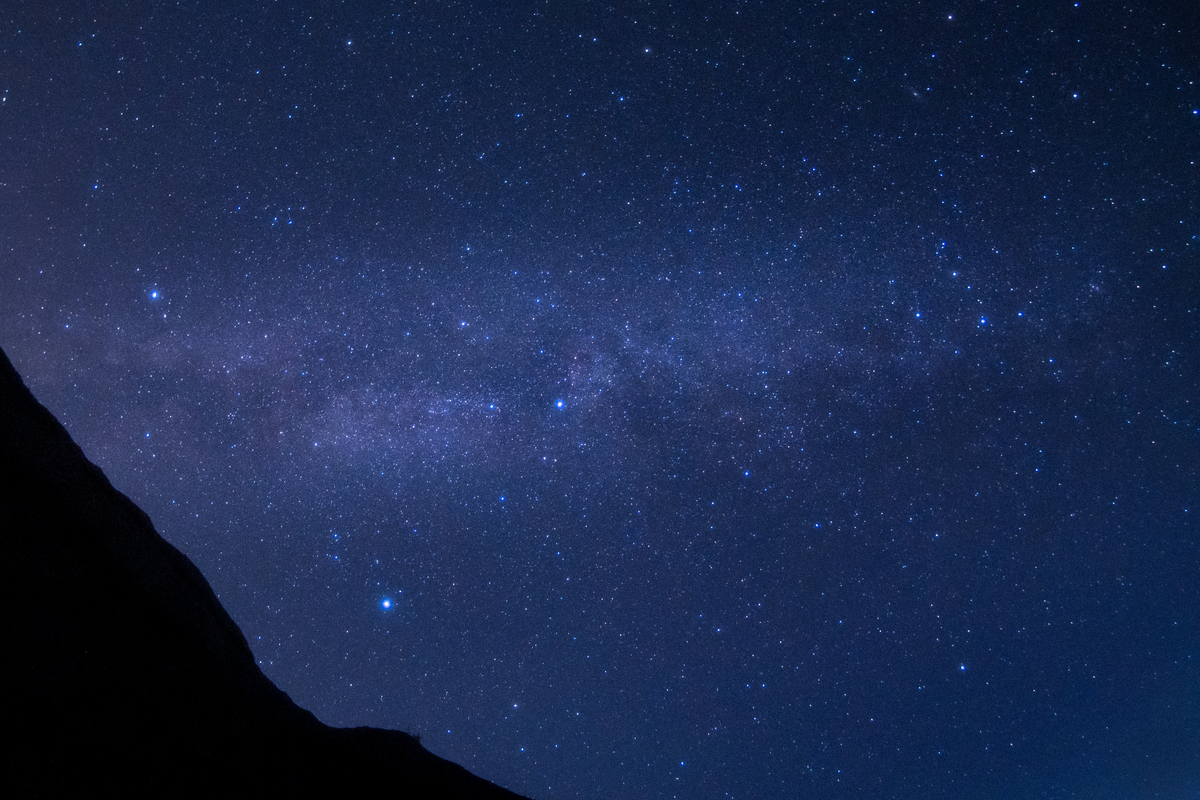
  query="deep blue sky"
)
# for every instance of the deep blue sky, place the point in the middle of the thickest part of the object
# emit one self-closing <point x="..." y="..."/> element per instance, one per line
<point x="649" y="400"/>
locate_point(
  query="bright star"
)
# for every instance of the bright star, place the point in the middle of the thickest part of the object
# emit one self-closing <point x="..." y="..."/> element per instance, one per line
<point x="386" y="604"/>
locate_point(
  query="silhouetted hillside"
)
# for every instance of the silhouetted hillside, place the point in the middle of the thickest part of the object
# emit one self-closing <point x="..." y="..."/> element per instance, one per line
<point x="122" y="672"/>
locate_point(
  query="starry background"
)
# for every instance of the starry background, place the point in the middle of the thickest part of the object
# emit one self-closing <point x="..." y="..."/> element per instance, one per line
<point x="649" y="400"/>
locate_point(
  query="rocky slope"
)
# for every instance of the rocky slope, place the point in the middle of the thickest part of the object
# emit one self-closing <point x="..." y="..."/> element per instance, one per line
<point x="122" y="671"/>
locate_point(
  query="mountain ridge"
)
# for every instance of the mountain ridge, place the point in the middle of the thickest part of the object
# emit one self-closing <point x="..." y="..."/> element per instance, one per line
<point x="125" y="672"/>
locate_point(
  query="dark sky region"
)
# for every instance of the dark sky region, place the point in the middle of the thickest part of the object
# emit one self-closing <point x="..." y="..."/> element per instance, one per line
<point x="648" y="400"/>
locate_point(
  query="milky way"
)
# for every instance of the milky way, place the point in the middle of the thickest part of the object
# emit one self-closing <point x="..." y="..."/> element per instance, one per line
<point x="743" y="401"/>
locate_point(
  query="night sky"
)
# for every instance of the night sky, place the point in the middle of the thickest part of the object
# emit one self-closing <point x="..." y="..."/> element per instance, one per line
<point x="649" y="400"/>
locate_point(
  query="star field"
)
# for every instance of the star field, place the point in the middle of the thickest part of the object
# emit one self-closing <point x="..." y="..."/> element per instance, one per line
<point x="729" y="400"/>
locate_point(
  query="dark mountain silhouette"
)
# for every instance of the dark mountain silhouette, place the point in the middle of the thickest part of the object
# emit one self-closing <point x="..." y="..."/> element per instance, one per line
<point x="123" y="675"/>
